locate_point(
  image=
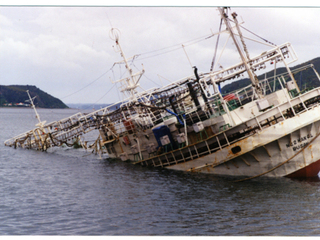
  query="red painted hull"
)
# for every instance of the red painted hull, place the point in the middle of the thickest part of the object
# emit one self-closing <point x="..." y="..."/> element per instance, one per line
<point x="311" y="170"/>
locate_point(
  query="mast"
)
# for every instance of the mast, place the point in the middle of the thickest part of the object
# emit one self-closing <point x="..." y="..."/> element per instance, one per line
<point x="245" y="59"/>
<point x="40" y="124"/>
<point x="128" y="84"/>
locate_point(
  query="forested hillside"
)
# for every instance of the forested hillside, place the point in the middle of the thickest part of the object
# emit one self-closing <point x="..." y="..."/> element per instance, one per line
<point x="305" y="79"/>
<point x="16" y="96"/>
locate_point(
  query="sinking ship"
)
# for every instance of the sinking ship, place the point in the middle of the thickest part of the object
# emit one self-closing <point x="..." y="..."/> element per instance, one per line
<point x="268" y="128"/>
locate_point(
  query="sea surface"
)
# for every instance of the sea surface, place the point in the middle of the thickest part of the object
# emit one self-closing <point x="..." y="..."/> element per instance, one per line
<point x="72" y="192"/>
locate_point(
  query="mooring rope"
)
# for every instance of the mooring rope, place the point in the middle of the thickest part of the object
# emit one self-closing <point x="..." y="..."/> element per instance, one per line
<point x="272" y="169"/>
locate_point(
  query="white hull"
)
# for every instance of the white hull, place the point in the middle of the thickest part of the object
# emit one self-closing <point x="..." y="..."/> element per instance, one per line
<point x="280" y="150"/>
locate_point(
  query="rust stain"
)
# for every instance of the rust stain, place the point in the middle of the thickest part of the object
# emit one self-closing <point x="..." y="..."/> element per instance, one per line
<point x="310" y="148"/>
<point x="230" y="153"/>
<point x="215" y="159"/>
<point x="240" y="144"/>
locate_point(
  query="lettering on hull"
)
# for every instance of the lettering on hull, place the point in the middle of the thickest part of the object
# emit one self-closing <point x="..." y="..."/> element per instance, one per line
<point x="299" y="143"/>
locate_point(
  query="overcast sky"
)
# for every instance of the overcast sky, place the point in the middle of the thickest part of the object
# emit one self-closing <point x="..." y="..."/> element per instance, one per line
<point x="67" y="51"/>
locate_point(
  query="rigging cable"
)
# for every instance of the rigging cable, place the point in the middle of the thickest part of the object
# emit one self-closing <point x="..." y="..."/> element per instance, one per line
<point x="279" y="165"/>
<point x="176" y="47"/>
<point x="101" y="97"/>
<point x="215" y="50"/>
<point x="254" y="34"/>
<point x="119" y="98"/>
<point x="87" y="84"/>
<point x="146" y="76"/>
<point x="105" y="94"/>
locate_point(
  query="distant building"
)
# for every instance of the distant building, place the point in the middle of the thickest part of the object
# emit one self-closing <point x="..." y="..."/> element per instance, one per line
<point x="17" y="104"/>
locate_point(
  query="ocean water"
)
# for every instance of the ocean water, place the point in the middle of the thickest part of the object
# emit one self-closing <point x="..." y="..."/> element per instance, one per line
<point x="72" y="192"/>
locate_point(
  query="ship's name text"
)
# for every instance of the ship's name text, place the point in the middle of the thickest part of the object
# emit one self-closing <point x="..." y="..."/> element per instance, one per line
<point x="299" y="143"/>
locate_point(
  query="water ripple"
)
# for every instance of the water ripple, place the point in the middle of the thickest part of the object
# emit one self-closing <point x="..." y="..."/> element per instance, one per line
<point x="67" y="192"/>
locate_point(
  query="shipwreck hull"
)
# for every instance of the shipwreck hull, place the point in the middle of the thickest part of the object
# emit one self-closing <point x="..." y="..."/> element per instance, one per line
<point x="294" y="155"/>
<point x="269" y="128"/>
<point x="280" y="150"/>
<point x="287" y="148"/>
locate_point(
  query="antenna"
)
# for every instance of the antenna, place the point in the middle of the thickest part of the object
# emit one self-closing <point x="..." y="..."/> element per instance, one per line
<point x="109" y="19"/>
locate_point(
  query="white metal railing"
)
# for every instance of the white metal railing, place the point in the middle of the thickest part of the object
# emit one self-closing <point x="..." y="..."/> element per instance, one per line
<point x="222" y="139"/>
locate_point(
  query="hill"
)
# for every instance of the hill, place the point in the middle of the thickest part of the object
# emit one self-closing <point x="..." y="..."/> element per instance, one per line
<point x="16" y="95"/>
<point x="304" y="79"/>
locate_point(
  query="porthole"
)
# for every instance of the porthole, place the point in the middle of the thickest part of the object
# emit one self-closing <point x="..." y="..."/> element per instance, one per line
<point x="236" y="149"/>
